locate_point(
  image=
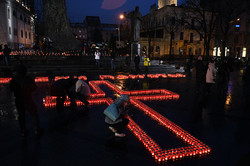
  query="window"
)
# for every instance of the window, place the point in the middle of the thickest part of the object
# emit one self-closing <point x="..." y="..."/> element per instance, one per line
<point x="173" y="21"/>
<point x="181" y="35"/>
<point x="182" y="21"/>
<point x="201" y="37"/>
<point x="172" y="35"/>
<point x="191" y="37"/>
<point x="21" y="17"/>
<point x="21" y="33"/>
<point x="14" y="13"/>
<point x="26" y="34"/>
<point x="10" y="30"/>
<point x="159" y="33"/>
<point x="192" y="23"/>
<point x="15" y="31"/>
<point x="236" y="40"/>
<point x="29" y="35"/>
<point x="8" y="10"/>
<point x="25" y="19"/>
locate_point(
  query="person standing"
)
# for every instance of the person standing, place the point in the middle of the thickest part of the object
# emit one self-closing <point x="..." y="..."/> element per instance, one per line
<point x="119" y="125"/>
<point x="210" y="77"/>
<point x="6" y="53"/>
<point x="97" y="57"/>
<point x="112" y="61"/>
<point x="23" y="86"/>
<point x="146" y="63"/>
<point x="137" y="62"/>
<point x="128" y="61"/>
<point x="200" y="76"/>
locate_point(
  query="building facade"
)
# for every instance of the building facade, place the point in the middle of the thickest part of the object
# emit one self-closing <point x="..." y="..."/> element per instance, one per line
<point x="164" y="32"/>
<point x="79" y="31"/>
<point x="163" y="3"/>
<point x="17" y="24"/>
<point x="239" y="42"/>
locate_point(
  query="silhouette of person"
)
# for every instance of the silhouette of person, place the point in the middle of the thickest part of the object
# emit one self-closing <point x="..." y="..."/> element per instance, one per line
<point x="200" y="76"/>
<point x="146" y="63"/>
<point x="119" y="125"/>
<point x="71" y="87"/>
<point x="137" y="62"/>
<point x="128" y="61"/>
<point x="6" y="53"/>
<point x="23" y="86"/>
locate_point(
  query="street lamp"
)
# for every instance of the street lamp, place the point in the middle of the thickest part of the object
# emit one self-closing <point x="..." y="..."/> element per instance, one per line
<point x="121" y="17"/>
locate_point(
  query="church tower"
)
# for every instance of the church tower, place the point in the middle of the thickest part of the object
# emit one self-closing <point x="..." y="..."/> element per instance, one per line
<point x="162" y="3"/>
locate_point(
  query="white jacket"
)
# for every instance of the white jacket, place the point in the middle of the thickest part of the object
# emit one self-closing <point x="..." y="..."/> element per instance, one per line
<point x="211" y="73"/>
<point x="97" y="55"/>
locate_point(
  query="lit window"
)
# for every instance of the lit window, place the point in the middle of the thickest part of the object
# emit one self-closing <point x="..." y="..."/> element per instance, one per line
<point x="244" y="53"/>
<point x="237" y="26"/>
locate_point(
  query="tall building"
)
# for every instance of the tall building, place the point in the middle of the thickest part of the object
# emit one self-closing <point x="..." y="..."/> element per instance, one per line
<point x="165" y="31"/>
<point x="16" y="25"/>
<point x="162" y="3"/>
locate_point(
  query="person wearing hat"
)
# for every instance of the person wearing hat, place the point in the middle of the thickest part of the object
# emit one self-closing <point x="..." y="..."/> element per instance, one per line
<point x="119" y="125"/>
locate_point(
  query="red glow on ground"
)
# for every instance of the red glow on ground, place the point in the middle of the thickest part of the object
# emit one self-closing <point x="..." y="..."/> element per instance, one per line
<point x="195" y="147"/>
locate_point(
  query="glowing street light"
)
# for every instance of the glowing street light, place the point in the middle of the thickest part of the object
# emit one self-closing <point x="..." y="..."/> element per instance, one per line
<point x="121" y="17"/>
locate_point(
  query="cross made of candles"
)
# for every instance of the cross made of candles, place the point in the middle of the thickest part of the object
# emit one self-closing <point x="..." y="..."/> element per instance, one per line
<point x="161" y="155"/>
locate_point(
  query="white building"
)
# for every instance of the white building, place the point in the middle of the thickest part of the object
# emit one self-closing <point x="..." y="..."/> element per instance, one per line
<point x="163" y="3"/>
<point x="16" y="24"/>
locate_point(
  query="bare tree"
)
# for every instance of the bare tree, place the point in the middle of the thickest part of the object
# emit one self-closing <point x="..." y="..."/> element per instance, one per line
<point x="56" y="25"/>
<point x="171" y="27"/>
<point x="202" y="14"/>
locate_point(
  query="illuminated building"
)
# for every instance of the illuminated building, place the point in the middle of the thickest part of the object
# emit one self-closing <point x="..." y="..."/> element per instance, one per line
<point x="17" y="24"/>
<point x="167" y="29"/>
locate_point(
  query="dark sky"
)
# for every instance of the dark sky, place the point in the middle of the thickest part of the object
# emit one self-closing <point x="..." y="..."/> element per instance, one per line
<point x="107" y="10"/>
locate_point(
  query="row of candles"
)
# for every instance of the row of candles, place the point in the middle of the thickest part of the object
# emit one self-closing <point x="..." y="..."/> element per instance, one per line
<point x="41" y="53"/>
<point x="43" y="79"/>
<point x="195" y="146"/>
<point x="102" y="77"/>
<point x="141" y="76"/>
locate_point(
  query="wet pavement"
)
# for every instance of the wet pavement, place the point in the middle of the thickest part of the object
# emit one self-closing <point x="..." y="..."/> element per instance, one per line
<point x="82" y="138"/>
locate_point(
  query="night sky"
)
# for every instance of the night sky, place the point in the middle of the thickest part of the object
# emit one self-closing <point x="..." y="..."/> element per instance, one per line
<point x="107" y="10"/>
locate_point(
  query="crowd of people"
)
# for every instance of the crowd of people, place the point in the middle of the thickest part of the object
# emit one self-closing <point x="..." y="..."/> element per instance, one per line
<point x="23" y="86"/>
<point x="212" y="79"/>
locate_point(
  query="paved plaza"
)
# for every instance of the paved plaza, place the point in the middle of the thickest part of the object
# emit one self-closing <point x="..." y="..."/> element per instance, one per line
<point x="82" y="138"/>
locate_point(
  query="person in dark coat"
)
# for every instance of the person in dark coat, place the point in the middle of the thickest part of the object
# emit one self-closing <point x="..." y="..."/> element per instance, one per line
<point x="6" y="53"/>
<point x="71" y="88"/>
<point x="137" y="62"/>
<point x="23" y="86"/>
<point x="200" y="76"/>
<point x="128" y="61"/>
<point x="223" y="76"/>
<point x="200" y="89"/>
<point x="120" y="124"/>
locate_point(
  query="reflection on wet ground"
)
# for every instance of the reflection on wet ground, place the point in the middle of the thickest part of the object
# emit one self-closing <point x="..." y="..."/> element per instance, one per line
<point x="78" y="137"/>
